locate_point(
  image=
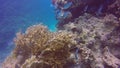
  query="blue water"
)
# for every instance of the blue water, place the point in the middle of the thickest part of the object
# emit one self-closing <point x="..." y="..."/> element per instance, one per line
<point x="17" y="15"/>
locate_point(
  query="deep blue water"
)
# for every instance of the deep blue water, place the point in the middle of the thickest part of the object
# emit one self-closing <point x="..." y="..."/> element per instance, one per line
<point x="17" y="15"/>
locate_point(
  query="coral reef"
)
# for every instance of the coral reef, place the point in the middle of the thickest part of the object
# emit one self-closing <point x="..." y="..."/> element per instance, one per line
<point x="88" y="39"/>
<point x="116" y="7"/>
<point x="39" y="46"/>
<point x="99" y="36"/>
<point x="88" y="42"/>
<point x="69" y="10"/>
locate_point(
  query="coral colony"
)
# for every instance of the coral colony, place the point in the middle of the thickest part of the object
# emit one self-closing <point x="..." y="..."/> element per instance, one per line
<point x="88" y="36"/>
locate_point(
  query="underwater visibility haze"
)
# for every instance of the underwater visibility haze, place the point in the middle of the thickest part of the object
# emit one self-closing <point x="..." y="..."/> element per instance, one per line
<point x="17" y="15"/>
<point x="80" y="34"/>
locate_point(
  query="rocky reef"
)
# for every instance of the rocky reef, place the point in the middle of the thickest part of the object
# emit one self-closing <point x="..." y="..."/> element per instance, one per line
<point x="88" y="36"/>
<point x="69" y="10"/>
<point x="98" y="39"/>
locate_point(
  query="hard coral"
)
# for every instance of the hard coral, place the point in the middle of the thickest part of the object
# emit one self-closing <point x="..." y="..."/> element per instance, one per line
<point x="89" y="6"/>
<point x="95" y="35"/>
<point x="32" y="41"/>
<point x="88" y="41"/>
<point x="116" y="7"/>
<point x="57" y="50"/>
<point x="38" y="47"/>
<point x="76" y="8"/>
<point x="55" y="54"/>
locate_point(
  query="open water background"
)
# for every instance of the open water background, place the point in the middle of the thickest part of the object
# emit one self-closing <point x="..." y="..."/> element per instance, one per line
<point x="17" y="15"/>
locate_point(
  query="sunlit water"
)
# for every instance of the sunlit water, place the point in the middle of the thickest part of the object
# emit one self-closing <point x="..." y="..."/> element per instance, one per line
<point x="17" y="15"/>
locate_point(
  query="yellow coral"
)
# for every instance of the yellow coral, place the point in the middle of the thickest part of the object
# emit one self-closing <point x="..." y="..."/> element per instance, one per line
<point x="52" y="49"/>
<point x="57" y="50"/>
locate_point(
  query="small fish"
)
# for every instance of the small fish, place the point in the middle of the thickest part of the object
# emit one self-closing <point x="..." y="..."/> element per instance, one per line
<point x="76" y="53"/>
<point x="67" y="5"/>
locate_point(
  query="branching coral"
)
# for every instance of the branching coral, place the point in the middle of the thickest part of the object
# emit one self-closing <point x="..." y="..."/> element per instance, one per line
<point x="57" y="51"/>
<point x="52" y="49"/>
<point x="86" y="42"/>
<point x="35" y="38"/>
<point x="30" y="43"/>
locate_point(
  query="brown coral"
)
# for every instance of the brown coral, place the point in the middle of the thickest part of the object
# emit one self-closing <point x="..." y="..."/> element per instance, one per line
<point x="48" y="48"/>
<point x="88" y="42"/>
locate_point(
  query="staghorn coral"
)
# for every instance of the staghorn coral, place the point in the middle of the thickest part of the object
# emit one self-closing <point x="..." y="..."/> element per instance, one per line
<point x="39" y="46"/>
<point x="87" y="41"/>
<point x="28" y="44"/>
<point x="58" y="50"/>
<point x="31" y="63"/>
<point x="34" y="38"/>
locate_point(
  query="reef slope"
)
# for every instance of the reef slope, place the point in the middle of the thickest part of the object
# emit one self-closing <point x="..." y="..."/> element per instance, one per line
<point x="88" y="40"/>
